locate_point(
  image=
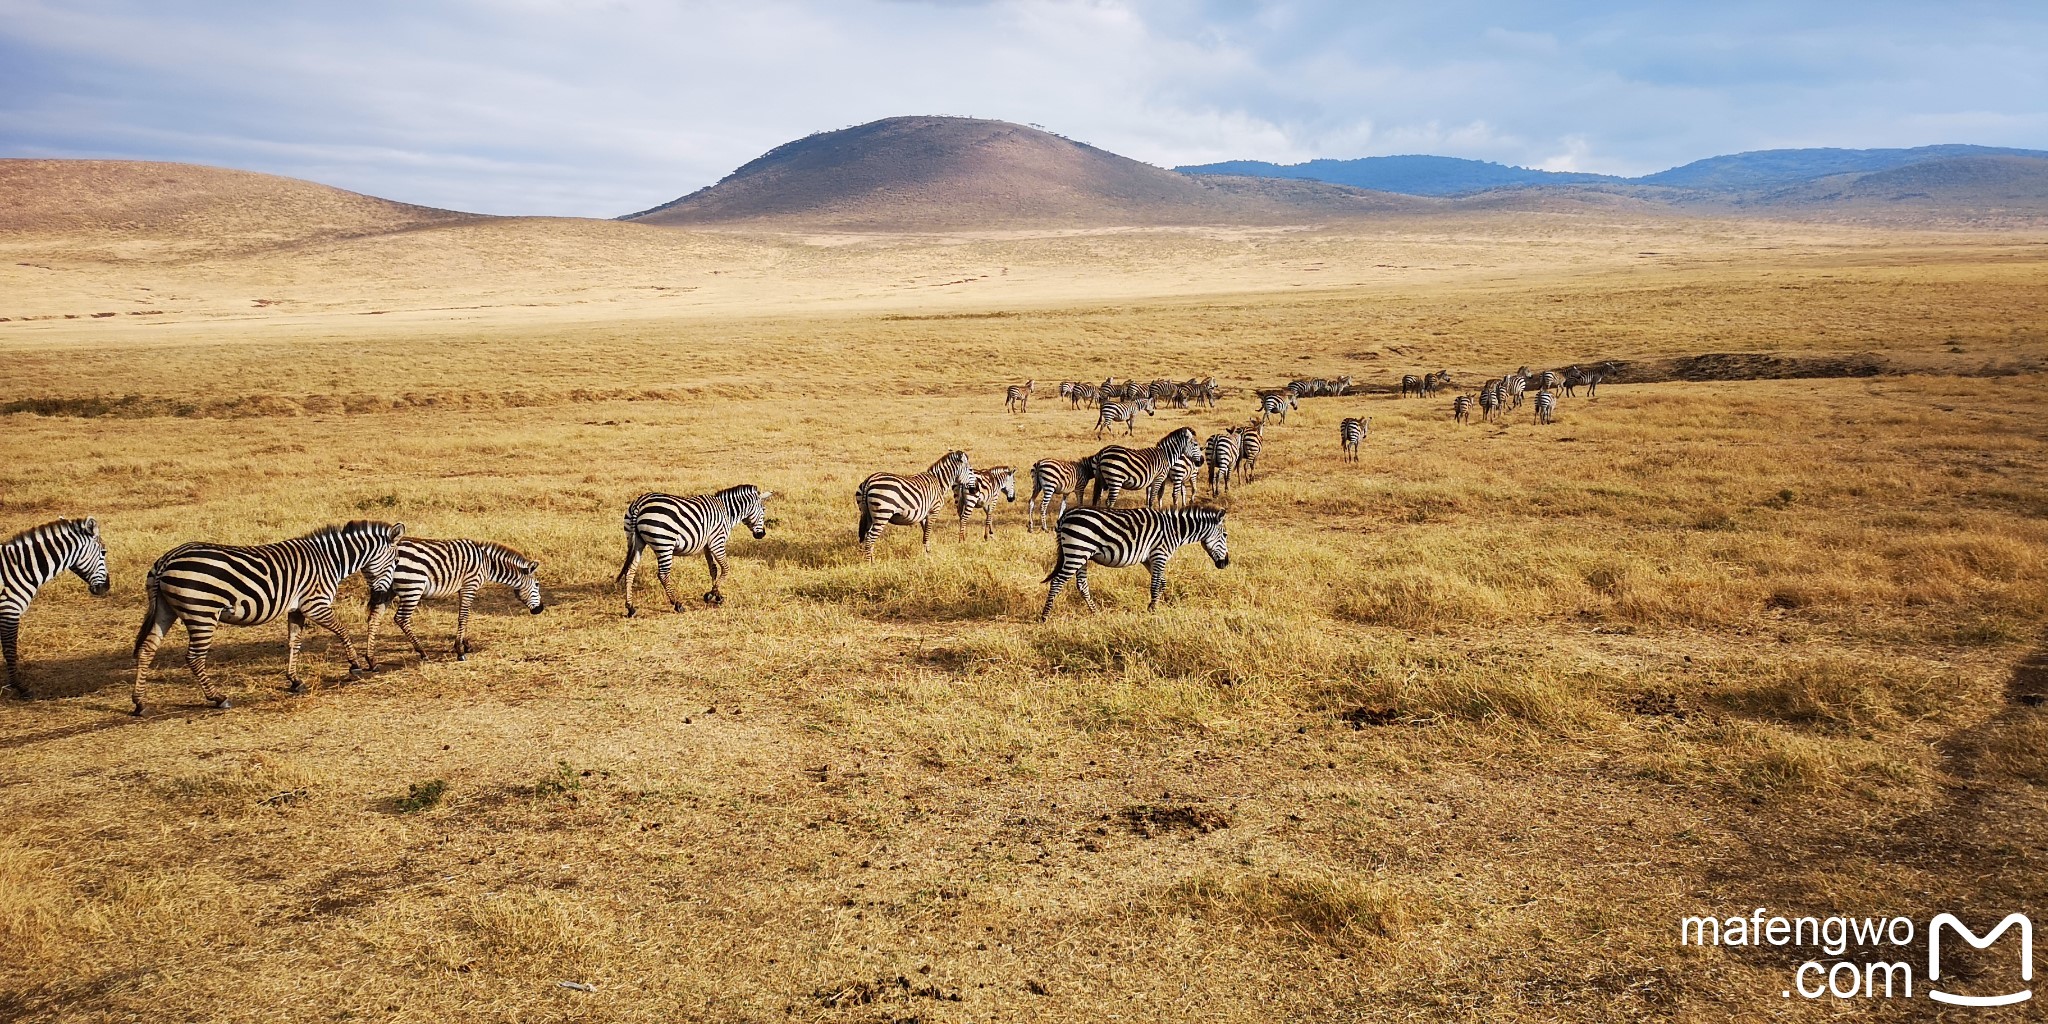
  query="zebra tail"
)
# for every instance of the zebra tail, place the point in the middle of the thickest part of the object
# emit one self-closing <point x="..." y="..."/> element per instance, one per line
<point x="867" y="516"/>
<point x="153" y="608"/>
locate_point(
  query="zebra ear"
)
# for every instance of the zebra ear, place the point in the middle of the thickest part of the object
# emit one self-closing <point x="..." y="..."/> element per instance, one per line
<point x="397" y="530"/>
<point x="765" y="495"/>
<point x="90" y="525"/>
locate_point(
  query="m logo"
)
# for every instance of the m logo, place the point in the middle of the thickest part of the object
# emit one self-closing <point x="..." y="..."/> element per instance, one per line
<point x="2026" y="958"/>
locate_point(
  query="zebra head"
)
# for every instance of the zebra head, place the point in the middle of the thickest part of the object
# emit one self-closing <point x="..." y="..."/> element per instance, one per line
<point x="1003" y="478"/>
<point x="1207" y="526"/>
<point x="952" y="469"/>
<point x="748" y="504"/>
<point x="368" y="547"/>
<point x="1147" y="404"/>
<point x="88" y="554"/>
<point x="522" y="574"/>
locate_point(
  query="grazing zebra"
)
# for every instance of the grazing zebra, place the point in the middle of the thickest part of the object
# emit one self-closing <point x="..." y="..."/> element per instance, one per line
<point x="1017" y="396"/>
<point x="1546" y="406"/>
<point x="978" y="492"/>
<point x="673" y="525"/>
<point x="1118" y="468"/>
<point x="1125" y="413"/>
<point x="1461" y="409"/>
<point x="1222" y="458"/>
<point x="1272" y="404"/>
<point x="1351" y="433"/>
<point x="1411" y="384"/>
<point x="887" y="499"/>
<point x="34" y="557"/>
<point x="1248" y="441"/>
<point x="1127" y="536"/>
<point x="1056" y="477"/>
<point x="439" y="568"/>
<point x="208" y="585"/>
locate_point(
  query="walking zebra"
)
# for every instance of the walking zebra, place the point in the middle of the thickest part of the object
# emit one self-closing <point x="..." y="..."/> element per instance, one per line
<point x="1275" y="403"/>
<point x="672" y="526"/>
<point x="1055" y="477"/>
<point x="1248" y="442"/>
<point x="206" y="586"/>
<point x="1016" y="397"/>
<point x="887" y="499"/>
<point x="978" y="492"/>
<point x="1127" y="536"/>
<point x="1125" y="413"/>
<point x="1351" y="433"/>
<point x="34" y="557"/>
<point x="1592" y="379"/>
<point x="439" y="568"/>
<point x="1077" y="392"/>
<point x="1222" y="458"/>
<point x="1461" y="409"/>
<point x="1546" y="406"/>
<point x="1118" y="468"/>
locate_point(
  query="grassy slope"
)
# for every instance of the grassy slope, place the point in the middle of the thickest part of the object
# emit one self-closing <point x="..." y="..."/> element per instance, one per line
<point x="1698" y="647"/>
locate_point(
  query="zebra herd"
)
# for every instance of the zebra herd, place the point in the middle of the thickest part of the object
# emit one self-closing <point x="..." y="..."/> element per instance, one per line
<point x="205" y="586"/>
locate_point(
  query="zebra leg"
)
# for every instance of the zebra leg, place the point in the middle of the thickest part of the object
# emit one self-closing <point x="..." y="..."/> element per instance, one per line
<point x="664" y="560"/>
<point x="145" y="649"/>
<point x="294" y="621"/>
<point x="404" y="620"/>
<point x="198" y="640"/>
<point x="633" y="546"/>
<point x="464" y="603"/>
<point x="10" y="627"/>
<point x="1061" y="573"/>
<point x="926" y="525"/>
<point x="370" y="634"/>
<point x="1081" y="587"/>
<point x="1158" y="567"/>
<point x="323" y="616"/>
<point x="714" y="560"/>
<point x="988" y="521"/>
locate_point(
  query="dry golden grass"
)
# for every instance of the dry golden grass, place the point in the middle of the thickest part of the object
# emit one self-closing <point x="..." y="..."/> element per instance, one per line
<point x="1459" y="734"/>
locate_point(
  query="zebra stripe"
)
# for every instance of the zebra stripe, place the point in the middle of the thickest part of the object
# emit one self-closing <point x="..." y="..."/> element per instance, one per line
<point x="439" y="568"/>
<point x="1351" y="433"/>
<point x="206" y="586"/>
<point x="671" y="526"/>
<point x="1125" y="413"/>
<point x="1248" y="442"/>
<point x="978" y="492"/>
<point x="36" y="556"/>
<point x="1118" y="468"/>
<point x="887" y="499"/>
<point x="1055" y="477"/>
<point x="1016" y="397"/>
<point x="1546" y="406"/>
<point x="1121" y="537"/>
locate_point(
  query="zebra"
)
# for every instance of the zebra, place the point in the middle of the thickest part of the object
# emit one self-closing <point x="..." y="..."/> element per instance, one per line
<point x="673" y="525"/>
<point x="1017" y="396"/>
<point x="1125" y="413"/>
<point x="1351" y="433"/>
<point x="1433" y="381"/>
<point x="1548" y="380"/>
<point x="439" y="568"/>
<point x="887" y="499"/>
<point x="1461" y="409"/>
<point x="1222" y="458"/>
<point x="979" y="491"/>
<point x="1546" y="406"/>
<point x="1077" y="392"/>
<point x="1248" y="441"/>
<point x="1593" y="378"/>
<point x="1512" y="387"/>
<point x="1056" y="477"/>
<point x="1117" y="468"/>
<point x="1275" y="403"/>
<point x="1126" y="536"/>
<point x="1573" y="377"/>
<point x="208" y="585"/>
<point x="1410" y="383"/>
<point x="1489" y="403"/>
<point x="34" y="557"/>
<point x="1181" y="475"/>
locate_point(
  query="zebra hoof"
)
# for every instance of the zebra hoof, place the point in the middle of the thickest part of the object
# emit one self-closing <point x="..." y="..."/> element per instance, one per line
<point x="464" y="656"/>
<point x="714" y="598"/>
<point x="20" y="691"/>
<point x="136" y="712"/>
<point x="223" y="704"/>
<point x="675" y="606"/>
<point x="631" y="611"/>
<point x="295" y="687"/>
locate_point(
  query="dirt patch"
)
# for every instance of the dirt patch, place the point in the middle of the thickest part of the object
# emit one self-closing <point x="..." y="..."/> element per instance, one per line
<point x="862" y="992"/>
<point x="1150" y="820"/>
<point x="1656" y="704"/>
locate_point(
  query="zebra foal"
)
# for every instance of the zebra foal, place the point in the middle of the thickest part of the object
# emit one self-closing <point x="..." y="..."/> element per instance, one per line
<point x="36" y="556"/>
<point x="978" y="493"/>
<point x="672" y="526"/>
<point x="1117" y="537"/>
<point x="439" y="568"/>
<point x="1016" y="396"/>
<point x="206" y="586"/>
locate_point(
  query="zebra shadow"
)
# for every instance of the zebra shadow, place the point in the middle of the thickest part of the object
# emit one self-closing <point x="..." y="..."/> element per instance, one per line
<point x="252" y="659"/>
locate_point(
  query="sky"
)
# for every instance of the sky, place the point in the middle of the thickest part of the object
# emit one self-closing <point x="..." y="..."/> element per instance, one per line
<point x="604" y="107"/>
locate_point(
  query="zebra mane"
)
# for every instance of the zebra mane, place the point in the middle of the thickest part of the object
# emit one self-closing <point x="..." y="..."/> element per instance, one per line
<point x="737" y="491"/>
<point x="83" y="527"/>
<point x="357" y="527"/>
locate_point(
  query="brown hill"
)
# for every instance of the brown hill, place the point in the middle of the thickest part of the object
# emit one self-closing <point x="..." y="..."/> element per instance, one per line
<point x="186" y="205"/>
<point x="1957" y="183"/>
<point x="932" y="173"/>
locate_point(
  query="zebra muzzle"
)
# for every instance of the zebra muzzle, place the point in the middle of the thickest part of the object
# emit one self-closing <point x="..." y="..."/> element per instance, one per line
<point x="537" y="609"/>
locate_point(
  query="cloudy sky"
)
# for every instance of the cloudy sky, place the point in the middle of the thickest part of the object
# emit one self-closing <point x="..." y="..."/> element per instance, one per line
<point x="603" y="107"/>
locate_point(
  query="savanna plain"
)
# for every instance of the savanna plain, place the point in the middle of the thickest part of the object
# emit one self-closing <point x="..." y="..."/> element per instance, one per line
<point x="1460" y="733"/>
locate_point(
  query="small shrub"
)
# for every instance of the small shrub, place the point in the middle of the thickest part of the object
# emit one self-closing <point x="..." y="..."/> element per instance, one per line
<point x="420" y="796"/>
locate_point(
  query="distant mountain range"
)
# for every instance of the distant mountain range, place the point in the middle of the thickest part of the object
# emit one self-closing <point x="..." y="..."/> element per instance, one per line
<point x="1740" y="172"/>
